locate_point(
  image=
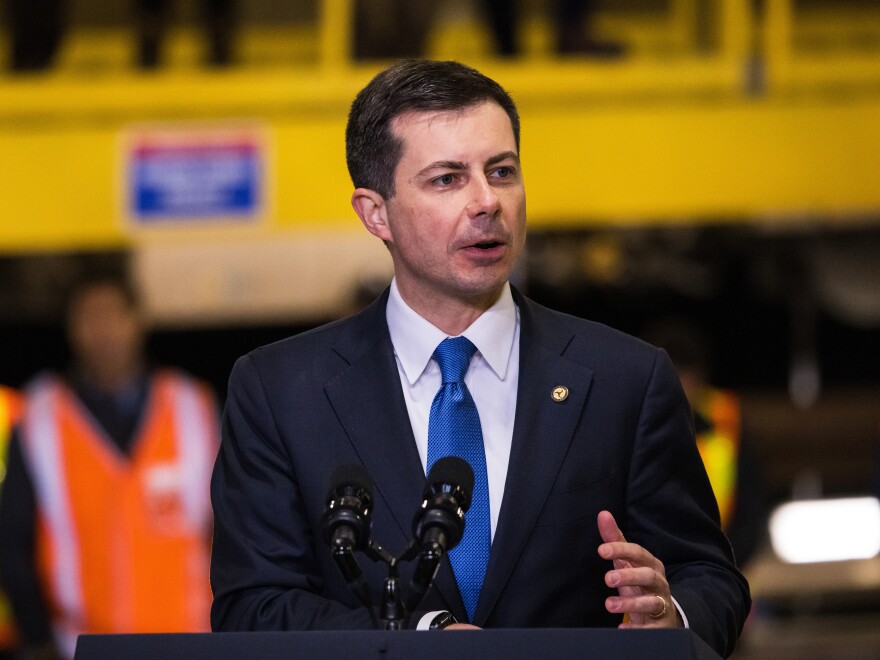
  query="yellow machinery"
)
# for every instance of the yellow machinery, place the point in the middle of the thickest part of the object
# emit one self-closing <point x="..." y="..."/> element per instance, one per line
<point x="758" y="127"/>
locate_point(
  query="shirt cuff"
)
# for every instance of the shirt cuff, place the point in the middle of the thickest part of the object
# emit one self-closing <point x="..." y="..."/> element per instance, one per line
<point x="681" y="613"/>
<point x="425" y="622"/>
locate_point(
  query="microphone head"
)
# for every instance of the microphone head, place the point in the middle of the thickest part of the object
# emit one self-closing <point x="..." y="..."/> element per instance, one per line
<point x="453" y="475"/>
<point x="350" y="476"/>
<point x="447" y="496"/>
<point x="348" y="515"/>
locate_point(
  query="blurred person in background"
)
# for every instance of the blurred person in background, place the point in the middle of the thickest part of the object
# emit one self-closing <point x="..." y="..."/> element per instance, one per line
<point x="390" y="29"/>
<point x="726" y="452"/>
<point x="105" y="517"/>
<point x="35" y="31"/>
<point x="10" y="409"/>
<point x="218" y="18"/>
<point x="575" y="32"/>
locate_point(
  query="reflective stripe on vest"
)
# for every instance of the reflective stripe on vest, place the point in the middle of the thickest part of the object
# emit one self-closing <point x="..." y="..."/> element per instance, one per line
<point x="42" y="450"/>
<point x="719" y="448"/>
<point x="142" y="513"/>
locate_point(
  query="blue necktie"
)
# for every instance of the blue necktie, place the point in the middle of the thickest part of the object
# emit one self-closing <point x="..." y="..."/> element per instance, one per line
<point x="454" y="430"/>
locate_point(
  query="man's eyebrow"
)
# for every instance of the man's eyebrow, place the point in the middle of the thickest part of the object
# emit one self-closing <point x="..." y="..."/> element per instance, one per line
<point x="443" y="165"/>
<point x="504" y="155"/>
<point x="458" y="165"/>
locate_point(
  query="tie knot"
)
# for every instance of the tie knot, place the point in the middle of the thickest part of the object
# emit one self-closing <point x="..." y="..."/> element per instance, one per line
<point x="454" y="354"/>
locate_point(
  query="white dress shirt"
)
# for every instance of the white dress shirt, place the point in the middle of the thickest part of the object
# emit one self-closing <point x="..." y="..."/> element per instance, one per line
<point x="492" y="378"/>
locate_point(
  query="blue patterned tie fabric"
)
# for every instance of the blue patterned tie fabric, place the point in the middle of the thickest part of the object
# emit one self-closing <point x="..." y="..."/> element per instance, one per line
<point x="454" y="430"/>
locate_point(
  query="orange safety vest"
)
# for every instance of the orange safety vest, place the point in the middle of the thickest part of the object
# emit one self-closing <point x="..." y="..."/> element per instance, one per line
<point x="719" y="447"/>
<point x="10" y="409"/>
<point x="122" y="541"/>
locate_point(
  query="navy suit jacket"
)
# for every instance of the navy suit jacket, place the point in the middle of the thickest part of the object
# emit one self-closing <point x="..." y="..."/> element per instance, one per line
<point x="621" y="441"/>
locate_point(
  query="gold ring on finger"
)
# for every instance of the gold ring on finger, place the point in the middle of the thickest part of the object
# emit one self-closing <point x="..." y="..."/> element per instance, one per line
<point x="663" y="607"/>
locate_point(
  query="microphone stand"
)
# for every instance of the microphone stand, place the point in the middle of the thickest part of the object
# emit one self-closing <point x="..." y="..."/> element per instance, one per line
<point x="393" y="612"/>
<point x="394" y="609"/>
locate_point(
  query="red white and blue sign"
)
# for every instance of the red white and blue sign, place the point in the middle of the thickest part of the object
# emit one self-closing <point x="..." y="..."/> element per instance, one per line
<point x="186" y="176"/>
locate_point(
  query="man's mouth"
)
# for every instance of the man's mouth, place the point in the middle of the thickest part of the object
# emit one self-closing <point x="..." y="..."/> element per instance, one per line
<point x="487" y="245"/>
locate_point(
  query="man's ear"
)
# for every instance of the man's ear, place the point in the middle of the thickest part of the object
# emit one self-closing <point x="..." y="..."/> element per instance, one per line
<point x="373" y="212"/>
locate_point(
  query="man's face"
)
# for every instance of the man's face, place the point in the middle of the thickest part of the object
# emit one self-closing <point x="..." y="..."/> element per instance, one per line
<point x="457" y="223"/>
<point x="105" y="333"/>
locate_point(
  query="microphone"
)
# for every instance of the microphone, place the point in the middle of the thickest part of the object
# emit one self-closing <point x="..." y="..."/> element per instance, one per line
<point x="346" y="524"/>
<point x="439" y="523"/>
<point x="347" y="518"/>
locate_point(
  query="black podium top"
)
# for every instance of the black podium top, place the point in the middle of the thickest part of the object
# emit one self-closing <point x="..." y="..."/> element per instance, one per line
<point x="344" y="645"/>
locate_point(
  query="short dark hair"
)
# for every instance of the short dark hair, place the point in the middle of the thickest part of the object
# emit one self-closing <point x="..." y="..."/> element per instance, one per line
<point x="99" y="278"/>
<point x="372" y="151"/>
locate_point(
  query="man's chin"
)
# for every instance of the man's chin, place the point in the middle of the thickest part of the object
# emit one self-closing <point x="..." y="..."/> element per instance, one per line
<point x="485" y="287"/>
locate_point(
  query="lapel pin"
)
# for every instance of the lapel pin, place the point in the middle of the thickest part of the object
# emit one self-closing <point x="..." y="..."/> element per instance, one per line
<point x="559" y="393"/>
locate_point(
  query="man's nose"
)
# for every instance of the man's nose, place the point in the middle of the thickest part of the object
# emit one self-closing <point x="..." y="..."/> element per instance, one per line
<point x="484" y="199"/>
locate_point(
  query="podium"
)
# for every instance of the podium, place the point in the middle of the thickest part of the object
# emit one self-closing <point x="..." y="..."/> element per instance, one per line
<point x="546" y="644"/>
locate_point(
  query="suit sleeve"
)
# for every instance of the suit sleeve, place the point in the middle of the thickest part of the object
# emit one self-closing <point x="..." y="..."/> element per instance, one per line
<point x="264" y="572"/>
<point x="672" y="512"/>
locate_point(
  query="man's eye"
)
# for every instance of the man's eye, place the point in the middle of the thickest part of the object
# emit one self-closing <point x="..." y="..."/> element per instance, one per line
<point x="504" y="172"/>
<point x="445" y="179"/>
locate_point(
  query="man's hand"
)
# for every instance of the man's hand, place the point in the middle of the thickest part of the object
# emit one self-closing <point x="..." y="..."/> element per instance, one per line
<point x="462" y="626"/>
<point x="639" y="578"/>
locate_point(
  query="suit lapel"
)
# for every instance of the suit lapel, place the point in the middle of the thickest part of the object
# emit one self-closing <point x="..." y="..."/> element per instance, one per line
<point x="369" y="403"/>
<point x="542" y="433"/>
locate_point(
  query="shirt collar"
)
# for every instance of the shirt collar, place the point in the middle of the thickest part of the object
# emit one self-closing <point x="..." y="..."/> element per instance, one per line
<point x="415" y="339"/>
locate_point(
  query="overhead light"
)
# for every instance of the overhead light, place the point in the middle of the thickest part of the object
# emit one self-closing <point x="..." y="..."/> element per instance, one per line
<point x="808" y="531"/>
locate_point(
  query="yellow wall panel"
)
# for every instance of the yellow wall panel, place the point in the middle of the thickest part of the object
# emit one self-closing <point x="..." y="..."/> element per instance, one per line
<point x="57" y="187"/>
<point x="312" y="183"/>
<point x="701" y="161"/>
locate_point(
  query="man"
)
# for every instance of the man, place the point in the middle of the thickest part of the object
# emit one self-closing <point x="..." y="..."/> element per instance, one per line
<point x="598" y="505"/>
<point x="105" y="515"/>
<point x="36" y="29"/>
<point x="217" y="16"/>
<point x="574" y="23"/>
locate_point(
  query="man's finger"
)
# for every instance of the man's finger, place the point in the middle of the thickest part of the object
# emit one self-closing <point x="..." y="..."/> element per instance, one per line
<point x="649" y="605"/>
<point x="629" y="552"/>
<point x="608" y="529"/>
<point x="645" y="578"/>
